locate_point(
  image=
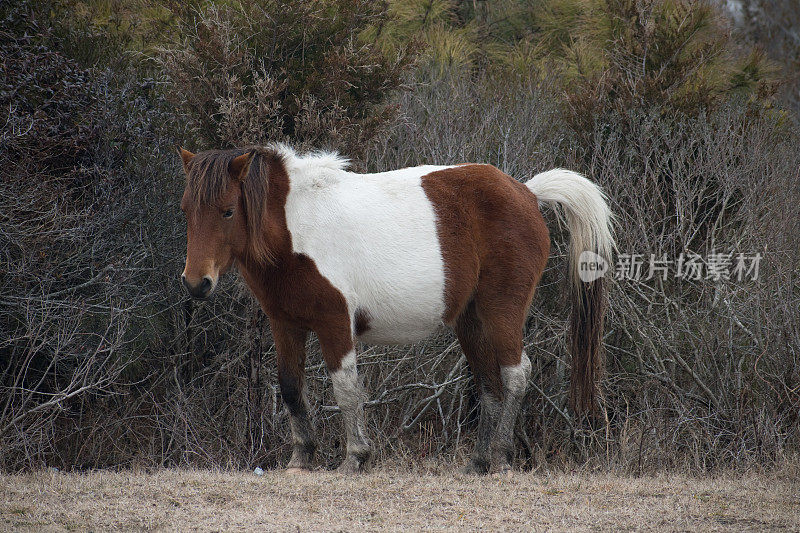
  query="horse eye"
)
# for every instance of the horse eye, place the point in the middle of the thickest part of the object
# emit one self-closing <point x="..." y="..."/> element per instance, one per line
<point x="228" y="213"/>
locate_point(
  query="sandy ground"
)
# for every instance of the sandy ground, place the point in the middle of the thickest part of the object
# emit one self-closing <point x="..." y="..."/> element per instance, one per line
<point x="387" y="500"/>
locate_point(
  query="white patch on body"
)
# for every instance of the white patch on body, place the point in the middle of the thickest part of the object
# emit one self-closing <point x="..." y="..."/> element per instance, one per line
<point x="374" y="237"/>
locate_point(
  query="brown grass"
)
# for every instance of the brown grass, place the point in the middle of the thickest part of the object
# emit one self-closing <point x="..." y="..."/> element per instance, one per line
<point x="393" y="499"/>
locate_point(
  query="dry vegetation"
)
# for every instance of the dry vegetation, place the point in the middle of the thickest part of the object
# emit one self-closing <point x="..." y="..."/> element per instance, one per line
<point x="103" y="361"/>
<point x="170" y="500"/>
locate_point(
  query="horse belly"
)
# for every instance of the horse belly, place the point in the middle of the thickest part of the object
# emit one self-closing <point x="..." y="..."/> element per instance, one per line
<point x="388" y="324"/>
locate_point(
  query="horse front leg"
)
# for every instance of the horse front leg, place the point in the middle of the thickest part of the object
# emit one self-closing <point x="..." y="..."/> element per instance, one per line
<point x="340" y="357"/>
<point x="350" y="396"/>
<point x="290" y="343"/>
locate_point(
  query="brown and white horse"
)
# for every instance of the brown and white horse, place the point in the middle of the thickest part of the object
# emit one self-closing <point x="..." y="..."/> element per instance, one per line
<point x="387" y="258"/>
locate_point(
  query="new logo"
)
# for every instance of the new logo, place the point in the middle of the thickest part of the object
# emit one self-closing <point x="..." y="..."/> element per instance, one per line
<point x="591" y="266"/>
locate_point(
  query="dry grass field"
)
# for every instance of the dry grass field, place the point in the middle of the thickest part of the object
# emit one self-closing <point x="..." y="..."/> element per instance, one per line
<point x="391" y="500"/>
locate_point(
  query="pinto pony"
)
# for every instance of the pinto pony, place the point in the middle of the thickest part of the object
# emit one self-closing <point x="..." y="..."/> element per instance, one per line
<point x="387" y="258"/>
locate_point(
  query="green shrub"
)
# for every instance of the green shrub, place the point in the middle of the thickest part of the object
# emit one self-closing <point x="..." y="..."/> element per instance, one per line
<point x="675" y="56"/>
<point x="253" y="72"/>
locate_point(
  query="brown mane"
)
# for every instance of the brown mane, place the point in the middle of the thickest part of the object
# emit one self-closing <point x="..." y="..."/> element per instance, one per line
<point x="208" y="176"/>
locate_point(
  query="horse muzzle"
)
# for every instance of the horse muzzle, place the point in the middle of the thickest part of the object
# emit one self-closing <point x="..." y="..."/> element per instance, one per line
<point x="201" y="290"/>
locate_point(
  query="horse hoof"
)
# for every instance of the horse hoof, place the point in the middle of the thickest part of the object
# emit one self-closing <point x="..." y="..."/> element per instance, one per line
<point x="351" y="465"/>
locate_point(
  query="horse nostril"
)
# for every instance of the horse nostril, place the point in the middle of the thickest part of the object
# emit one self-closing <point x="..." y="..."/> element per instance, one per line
<point x="205" y="285"/>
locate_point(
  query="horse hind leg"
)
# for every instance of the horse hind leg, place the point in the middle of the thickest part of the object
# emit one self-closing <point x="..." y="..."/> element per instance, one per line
<point x="481" y="460"/>
<point x="480" y="357"/>
<point x="515" y="383"/>
<point x="502" y="316"/>
<point x="494" y="351"/>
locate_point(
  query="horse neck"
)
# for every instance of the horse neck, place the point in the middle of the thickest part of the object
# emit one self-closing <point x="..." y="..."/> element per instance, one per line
<point x="274" y="229"/>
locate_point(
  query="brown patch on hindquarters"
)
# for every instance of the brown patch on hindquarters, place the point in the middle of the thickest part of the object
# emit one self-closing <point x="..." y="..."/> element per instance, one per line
<point x="494" y="245"/>
<point x="488" y="224"/>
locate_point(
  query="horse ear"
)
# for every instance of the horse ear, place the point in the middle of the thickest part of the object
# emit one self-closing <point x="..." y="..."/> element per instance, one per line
<point x="239" y="166"/>
<point x="186" y="156"/>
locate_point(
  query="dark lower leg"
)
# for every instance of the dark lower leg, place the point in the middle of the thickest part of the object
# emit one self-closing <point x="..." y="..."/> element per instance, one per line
<point x="290" y="342"/>
<point x="482" y="361"/>
<point x="480" y="461"/>
<point x="303" y="441"/>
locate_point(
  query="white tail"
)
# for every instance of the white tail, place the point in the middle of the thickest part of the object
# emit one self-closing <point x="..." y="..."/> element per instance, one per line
<point x="589" y="221"/>
<point x="585" y="209"/>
